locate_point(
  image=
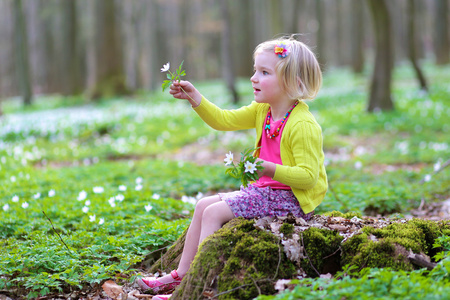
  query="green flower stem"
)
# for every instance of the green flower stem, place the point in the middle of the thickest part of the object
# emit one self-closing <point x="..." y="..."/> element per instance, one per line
<point x="176" y="78"/>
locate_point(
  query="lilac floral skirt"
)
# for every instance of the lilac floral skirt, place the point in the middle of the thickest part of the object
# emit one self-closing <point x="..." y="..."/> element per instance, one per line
<point x="254" y="202"/>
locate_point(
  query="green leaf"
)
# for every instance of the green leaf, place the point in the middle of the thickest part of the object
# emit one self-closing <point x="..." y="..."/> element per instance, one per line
<point x="166" y="84"/>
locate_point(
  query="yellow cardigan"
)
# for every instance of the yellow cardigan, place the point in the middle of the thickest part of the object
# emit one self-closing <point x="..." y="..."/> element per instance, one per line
<point x="301" y="147"/>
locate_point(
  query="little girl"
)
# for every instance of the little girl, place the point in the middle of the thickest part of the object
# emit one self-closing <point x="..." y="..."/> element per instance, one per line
<point x="289" y="142"/>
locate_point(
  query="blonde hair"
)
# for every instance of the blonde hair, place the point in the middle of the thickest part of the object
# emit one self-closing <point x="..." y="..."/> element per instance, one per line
<point x="299" y="72"/>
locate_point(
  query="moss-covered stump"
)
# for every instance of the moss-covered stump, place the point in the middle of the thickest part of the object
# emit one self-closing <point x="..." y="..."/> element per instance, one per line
<point x="391" y="245"/>
<point x="239" y="261"/>
<point x="246" y="257"/>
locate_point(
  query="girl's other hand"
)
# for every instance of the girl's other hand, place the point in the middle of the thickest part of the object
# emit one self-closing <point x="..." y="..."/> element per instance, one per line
<point x="269" y="168"/>
<point x="185" y="90"/>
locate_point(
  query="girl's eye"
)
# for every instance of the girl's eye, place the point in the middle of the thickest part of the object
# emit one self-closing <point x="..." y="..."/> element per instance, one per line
<point x="265" y="72"/>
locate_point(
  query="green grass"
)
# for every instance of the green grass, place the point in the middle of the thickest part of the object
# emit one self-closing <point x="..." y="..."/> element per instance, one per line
<point x="60" y="147"/>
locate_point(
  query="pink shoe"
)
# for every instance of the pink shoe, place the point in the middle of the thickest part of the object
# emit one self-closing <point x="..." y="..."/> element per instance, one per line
<point x="162" y="297"/>
<point x="151" y="283"/>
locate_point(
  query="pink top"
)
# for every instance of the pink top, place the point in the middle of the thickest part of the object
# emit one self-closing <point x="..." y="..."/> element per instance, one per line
<point x="270" y="151"/>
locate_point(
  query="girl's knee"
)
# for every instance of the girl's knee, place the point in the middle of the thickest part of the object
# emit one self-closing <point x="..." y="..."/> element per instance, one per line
<point x="203" y="203"/>
<point x="217" y="214"/>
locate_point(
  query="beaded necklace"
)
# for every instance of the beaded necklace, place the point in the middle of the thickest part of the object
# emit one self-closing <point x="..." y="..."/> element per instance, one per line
<point x="269" y="116"/>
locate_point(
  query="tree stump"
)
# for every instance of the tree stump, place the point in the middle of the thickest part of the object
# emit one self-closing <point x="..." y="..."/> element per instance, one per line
<point x="245" y="258"/>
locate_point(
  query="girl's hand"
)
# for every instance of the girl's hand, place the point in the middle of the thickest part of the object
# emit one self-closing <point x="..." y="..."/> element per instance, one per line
<point x="185" y="90"/>
<point x="269" y="168"/>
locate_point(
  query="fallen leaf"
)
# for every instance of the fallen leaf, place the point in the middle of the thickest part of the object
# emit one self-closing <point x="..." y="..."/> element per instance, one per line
<point x="113" y="290"/>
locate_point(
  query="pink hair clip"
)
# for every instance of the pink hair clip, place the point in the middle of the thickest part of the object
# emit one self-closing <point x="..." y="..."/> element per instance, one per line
<point x="281" y="50"/>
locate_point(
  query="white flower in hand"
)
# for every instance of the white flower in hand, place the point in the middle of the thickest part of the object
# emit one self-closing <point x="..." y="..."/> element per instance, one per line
<point x="165" y="67"/>
<point x="250" y="167"/>
<point x="228" y="159"/>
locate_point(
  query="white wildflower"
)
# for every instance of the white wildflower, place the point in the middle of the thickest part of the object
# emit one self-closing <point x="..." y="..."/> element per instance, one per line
<point x="92" y="218"/>
<point x="111" y="202"/>
<point x="82" y="195"/>
<point x="98" y="190"/>
<point x="358" y="165"/>
<point x="87" y="203"/>
<point x="122" y="188"/>
<point x="229" y="158"/>
<point x="5" y="207"/>
<point x="250" y="167"/>
<point x="165" y="67"/>
<point x="51" y="193"/>
<point x="25" y="205"/>
<point x="148" y="208"/>
<point x="101" y="222"/>
<point x="156" y="196"/>
<point x="85" y="209"/>
<point x="15" y="198"/>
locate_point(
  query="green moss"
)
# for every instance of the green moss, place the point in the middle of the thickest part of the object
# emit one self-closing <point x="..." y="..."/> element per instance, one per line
<point x="380" y="254"/>
<point x="287" y="229"/>
<point x="389" y="246"/>
<point x="347" y="215"/>
<point x="237" y="255"/>
<point x="320" y="244"/>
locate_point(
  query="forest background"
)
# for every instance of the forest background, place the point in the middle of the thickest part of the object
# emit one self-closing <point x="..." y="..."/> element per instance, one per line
<point x="100" y="170"/>
<point x="106" y="47"/>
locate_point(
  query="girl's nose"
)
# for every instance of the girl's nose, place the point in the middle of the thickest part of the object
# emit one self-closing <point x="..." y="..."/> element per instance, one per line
<point x="253" y="78"/>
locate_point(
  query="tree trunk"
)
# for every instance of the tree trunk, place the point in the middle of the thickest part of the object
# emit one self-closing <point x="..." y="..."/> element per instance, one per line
<point x="71" y="72"/>
<point x="441" y="36"/>
<point x="413" y="44"/>
<point x="109" y="76"/>
<point x="357" y="40"/>
<point x="227" y="61"/>
<point x="276" y="24"/>
<point x="21" y="44"/>
<point x="321" y="34"/>
<point x="380" y="89"/>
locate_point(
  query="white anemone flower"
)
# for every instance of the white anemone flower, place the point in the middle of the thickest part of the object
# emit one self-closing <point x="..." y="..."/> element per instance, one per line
<point x="85" y="209"/>
<point x="427" y="178"/>
<point x="148" y="208"/>
<point x="37" y="196"/>
<point x="229" y="158"/>
<point x="119" y="197"/>
<point x="51" y="193"/>
<point x="165" y="67"/>
<point x="122" y="188"/>
<point x="138" y="187"/>
<point x="156" y="196"/>
<point x="92" y="218"/>
<point x="111" y="202"/>
<point x="82" y="195"/>
<point x="139" y="180"/>
<point x="102" y="221"/>
<point x="250" y="167"/>
<point x="25" y="205"/>
<point x="87" y="203"/>
<point x="15" y="198"/>
<point x="5" y="207"/>
<point x="98" y="189"/>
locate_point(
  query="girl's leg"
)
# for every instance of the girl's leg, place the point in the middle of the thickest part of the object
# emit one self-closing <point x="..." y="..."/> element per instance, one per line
<point x="209" y="213"/>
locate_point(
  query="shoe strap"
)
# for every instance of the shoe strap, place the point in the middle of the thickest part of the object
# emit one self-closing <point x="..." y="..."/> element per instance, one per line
<point x="175" y="276"/>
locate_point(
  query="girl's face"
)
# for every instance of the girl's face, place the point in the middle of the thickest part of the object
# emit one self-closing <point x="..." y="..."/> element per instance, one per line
<point x="265" y="83"/>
